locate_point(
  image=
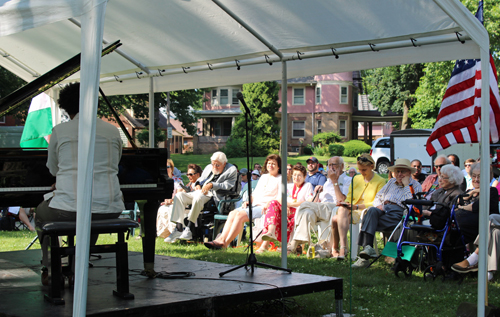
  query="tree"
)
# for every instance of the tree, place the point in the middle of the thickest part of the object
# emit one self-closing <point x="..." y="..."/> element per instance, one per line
<point x="8" y="84"/>
<point x="262" y="99"/>
<point x="182" y="104"/>
<point x="392" y="88"/>
<point x="435" y="81"/>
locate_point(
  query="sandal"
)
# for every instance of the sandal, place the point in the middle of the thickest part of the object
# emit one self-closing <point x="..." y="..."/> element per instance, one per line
<point x="342" y="257"/>
<point x="270" y="236"/>
<point x="335" y="257"/>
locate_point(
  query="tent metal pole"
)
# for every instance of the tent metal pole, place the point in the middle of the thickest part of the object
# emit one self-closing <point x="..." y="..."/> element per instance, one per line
<point x="484" y="195"/>
<point x="248" y="28"/>
<point x="19" y="64"/>
<point x="289" y="57"/>
<point x="151" y="114"/>
<point x="118" y="51"/>
<point x="284" y="154"/>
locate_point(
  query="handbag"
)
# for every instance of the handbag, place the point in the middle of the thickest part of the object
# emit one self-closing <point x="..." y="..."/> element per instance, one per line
<point x="439" y="216"/>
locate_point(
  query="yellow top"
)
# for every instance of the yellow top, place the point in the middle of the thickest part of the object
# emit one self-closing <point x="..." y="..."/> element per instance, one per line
<point x="365" y="191"/>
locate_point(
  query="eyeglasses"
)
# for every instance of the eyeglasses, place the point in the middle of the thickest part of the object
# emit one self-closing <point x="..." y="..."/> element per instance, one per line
<point x="473" y="176"/>
<point x="439" y="166"/>
<point x="288" y="169"/>
<point x="400" y="171"/>
<point x="191" y="174"/>
<point x="168" y="166"/>
<point x="332" y="164"/>
<point x="444" y="178"/>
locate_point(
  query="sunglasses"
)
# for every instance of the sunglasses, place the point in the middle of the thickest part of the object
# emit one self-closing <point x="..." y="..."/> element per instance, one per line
<point x="168" y="166"/>
<point x="468" y="165"/>
<point x="363" y="159"/>
<point x="439" y="166"/>
<point x="191" y="174"/>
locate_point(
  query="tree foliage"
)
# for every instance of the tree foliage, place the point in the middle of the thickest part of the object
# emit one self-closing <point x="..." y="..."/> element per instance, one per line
<point x="435" y="81"/>
<point x="392" y="88"/>
<point x="262" y="99"/>
<point x="181" y="104"/>
<point x="8" y="84"/>
<point x="326" y="138"/>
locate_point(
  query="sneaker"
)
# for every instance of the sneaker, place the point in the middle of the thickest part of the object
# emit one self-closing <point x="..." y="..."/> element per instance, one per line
<point x="360" y="264"/>
<point x="186" y="234"/>
<point x="368" y="253"/>
<point x="174" y="236"/>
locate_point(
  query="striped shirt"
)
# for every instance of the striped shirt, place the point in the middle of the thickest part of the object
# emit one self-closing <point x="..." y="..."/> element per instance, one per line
<point x="394" y="193"/>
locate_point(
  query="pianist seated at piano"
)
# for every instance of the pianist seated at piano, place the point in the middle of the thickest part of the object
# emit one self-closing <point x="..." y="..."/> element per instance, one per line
<point x="163" y="224"/>
<point x="62" y="162"/>
<point x="219" y="175"/>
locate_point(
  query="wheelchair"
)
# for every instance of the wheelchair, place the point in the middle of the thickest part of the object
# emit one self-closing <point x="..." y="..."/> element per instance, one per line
<point x="438" y="247"/>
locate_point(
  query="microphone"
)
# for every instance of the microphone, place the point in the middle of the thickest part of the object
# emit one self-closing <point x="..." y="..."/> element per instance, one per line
<point x="239" y="95"/>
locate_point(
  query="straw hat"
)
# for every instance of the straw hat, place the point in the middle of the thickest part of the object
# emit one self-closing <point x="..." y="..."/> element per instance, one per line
<point x="402" y="163"/>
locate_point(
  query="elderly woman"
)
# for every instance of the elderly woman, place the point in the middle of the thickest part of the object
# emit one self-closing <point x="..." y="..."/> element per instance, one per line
<point x="449" y="186"/>
<point x="267" y="190"/>
<point x="468" y="215"/>
<point x="360" y="196"/>
<point x="297" y="192"/>
<point x="163" y="225"/>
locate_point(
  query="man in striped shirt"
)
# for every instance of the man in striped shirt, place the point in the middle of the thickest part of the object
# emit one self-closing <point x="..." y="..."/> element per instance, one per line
<point x="388" y="209"/>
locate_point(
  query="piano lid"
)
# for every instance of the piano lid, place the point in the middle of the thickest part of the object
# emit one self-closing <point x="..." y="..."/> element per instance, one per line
<point x="46" y="81"/>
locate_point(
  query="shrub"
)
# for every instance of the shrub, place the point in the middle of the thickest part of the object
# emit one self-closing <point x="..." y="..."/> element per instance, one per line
<point x="336" y="149"/>
<point x="320" y="151"/>
<point x="308" y="150"/>
<point x="326" y="138"/>
<point x="235" y="147"/>
<point x="354" y="148"/>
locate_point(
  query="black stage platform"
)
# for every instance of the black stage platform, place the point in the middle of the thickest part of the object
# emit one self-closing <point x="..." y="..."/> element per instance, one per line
<point x="21" y="292"/>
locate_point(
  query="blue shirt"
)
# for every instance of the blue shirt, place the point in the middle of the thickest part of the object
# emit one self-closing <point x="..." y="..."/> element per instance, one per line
<point x="316" y="179"/>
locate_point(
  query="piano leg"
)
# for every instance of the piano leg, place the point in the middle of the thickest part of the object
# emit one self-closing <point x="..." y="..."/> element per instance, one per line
<point x="149" y="236"/>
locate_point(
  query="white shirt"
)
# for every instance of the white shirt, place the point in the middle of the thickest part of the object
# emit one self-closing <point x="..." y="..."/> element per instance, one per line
<point x="62" y="162"/>
<point x="328" y="193"/>
<point x="267" y="189"/>
<point x="305" y="193"/>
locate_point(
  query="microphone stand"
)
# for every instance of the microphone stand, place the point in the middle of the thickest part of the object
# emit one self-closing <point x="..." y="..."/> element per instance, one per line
<point x="251" y="259"/>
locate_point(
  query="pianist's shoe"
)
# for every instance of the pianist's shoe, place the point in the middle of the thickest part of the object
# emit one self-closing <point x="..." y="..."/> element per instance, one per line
<point x="186" y="234"/>
<point x="174" y="236"/>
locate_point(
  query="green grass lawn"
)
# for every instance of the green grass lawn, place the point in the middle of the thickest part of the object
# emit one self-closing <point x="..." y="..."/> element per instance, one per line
<point x="375" y="291"/>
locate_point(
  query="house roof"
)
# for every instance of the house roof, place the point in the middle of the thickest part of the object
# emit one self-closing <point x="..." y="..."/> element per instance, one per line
<point x="368" y="112"/>
<point x="300" y="80"/>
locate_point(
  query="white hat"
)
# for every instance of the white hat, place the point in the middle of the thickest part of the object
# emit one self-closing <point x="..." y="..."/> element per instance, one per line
<point x="256" y="172"/>
<point x="402" y="163"/>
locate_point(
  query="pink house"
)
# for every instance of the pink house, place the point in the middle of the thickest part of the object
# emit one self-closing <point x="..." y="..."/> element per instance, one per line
<point x="316" y="104"/>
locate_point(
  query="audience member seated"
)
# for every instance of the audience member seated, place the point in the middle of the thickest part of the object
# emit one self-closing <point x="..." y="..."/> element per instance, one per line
<point x="349" y="175"/>
<point x="22" y="214"/>
<point x="219" y="175"/>
<point x="257" y="167"/>
<point x="388" y="209"/>
<point x="255" y="175"/>
<point x="297" y="192"/>
<point x="62" y="162"/>
<point x="418" y="175"/>
<point x="466" y="170"/>
<point x="360" y="196"/>
<point x="449" y="186"/>
<point x="164" y="227"/>
<point x="314" y="176"/>
<point x="289" y="172"/>
<point x="310" y="214"/>
<point x="467" y="215"/>
<point x="431" y="183"/>
<point x="244" y="177"/>
<point x="267" y="190"/>
<point x="470" y="264"/>
<point x="454" y="160"/>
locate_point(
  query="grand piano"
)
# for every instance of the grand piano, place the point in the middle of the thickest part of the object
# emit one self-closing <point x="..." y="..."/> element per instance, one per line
<point x="24" y="177"/>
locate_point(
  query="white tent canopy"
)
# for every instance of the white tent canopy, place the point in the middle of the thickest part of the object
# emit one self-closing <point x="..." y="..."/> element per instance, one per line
<point x="168" y="35"/>
<point x="183" y="44"/>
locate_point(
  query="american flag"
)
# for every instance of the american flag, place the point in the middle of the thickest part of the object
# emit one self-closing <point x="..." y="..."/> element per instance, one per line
<point x="459" y="118"/>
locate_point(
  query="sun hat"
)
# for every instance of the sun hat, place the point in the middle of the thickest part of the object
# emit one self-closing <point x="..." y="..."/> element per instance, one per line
<point x="402" y="163"/>
<point x="256" y="172"/>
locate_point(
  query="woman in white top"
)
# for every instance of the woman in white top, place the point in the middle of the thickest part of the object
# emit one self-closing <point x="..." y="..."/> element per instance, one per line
<point x="297" y="192"/>
<point x="267" y="190"/>
<point x="163" y="224"/>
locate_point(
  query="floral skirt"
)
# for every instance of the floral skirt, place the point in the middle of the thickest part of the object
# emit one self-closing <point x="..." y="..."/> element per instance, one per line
<point x="273" y="217"/>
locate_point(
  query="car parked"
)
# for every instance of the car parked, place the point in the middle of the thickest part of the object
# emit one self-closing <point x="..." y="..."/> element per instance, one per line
<point x="381" y="153"/>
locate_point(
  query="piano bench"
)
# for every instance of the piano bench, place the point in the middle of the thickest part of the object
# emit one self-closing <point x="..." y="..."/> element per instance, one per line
<point x="68" y="228"/>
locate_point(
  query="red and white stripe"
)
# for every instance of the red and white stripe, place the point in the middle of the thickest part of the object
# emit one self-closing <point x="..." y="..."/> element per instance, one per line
<point x="459" y="118"/>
